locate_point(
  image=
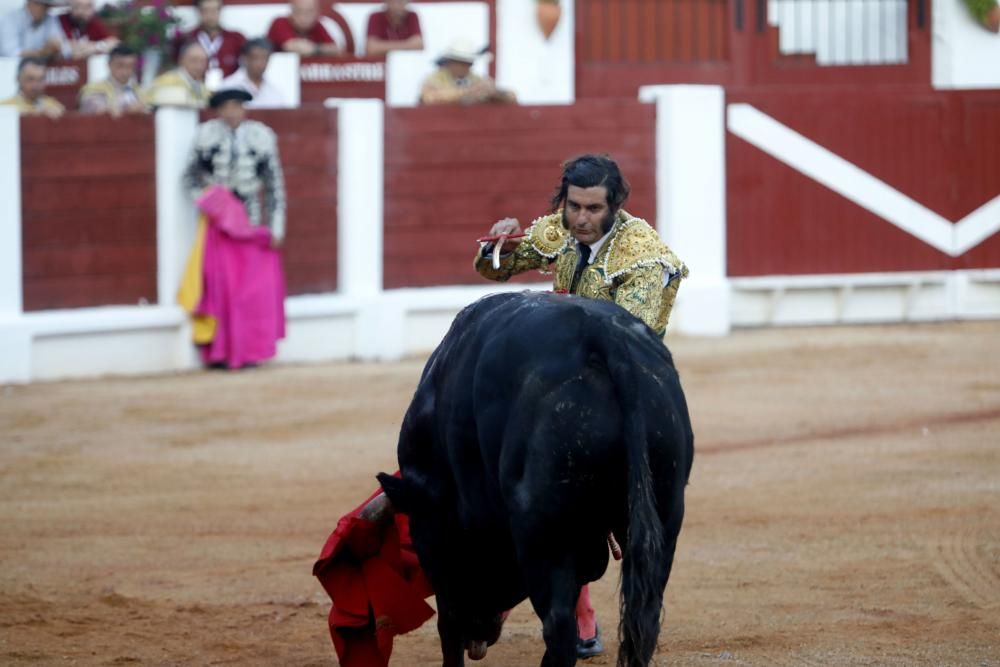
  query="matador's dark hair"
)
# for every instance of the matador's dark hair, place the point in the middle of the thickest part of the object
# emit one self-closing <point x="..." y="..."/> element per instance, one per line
<point x="587" y="171"/>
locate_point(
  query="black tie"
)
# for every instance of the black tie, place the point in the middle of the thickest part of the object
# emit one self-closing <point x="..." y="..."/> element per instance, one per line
<point x="584" y="251"/>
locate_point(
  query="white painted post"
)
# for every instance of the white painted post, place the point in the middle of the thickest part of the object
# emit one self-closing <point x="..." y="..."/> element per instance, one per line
<point x="691" y="200"/>
<point x="15" y="340"/>
<point x="10" y="212"/>
<point x="175" y="214"/>
<point x="539" y="70"/>
<point x="360" y="193"/>
<point x="360" y="155"/>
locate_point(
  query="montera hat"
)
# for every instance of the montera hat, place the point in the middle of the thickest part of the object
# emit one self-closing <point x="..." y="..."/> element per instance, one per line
<point x="226" y="94"/>
<point x="461" y="50"/>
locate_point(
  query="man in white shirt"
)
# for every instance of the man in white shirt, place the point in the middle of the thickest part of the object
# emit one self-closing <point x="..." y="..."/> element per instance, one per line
<point x="31" y="32"/>
<point x="250" y="76"/>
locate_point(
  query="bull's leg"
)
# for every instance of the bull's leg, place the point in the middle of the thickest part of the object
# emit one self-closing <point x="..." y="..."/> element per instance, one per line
<point x="554" y="592"/>
<point x="452" y="648"/>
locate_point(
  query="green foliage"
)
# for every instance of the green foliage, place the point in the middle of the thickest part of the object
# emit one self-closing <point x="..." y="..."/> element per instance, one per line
<point x="142" y="25"/>
<point x="980" y="8"/>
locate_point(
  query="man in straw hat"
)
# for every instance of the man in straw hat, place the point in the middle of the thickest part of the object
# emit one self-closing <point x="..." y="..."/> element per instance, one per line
<point x="454" y="82"/>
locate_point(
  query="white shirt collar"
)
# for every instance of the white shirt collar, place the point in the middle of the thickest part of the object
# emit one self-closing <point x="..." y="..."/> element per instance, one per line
<point x="595" y="247"/>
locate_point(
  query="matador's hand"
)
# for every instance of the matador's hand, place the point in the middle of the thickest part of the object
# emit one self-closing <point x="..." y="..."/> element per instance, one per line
<point x="510" y="227"/>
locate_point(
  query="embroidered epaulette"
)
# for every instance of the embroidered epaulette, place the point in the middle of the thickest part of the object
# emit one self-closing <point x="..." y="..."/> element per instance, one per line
<point x="547" y="236"/>
<point x="636" y="244"/>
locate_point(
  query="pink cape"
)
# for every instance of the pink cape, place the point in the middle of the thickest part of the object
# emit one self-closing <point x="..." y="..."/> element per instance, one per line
<point x="243" y="284"/>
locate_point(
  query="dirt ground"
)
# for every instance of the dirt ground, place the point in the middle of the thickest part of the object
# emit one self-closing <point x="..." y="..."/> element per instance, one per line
<point x="844" y="508"/>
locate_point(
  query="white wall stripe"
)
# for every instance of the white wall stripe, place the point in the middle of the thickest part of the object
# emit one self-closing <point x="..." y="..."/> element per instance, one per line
<point x="11" y="286"/>
<point x="857" y="185"/>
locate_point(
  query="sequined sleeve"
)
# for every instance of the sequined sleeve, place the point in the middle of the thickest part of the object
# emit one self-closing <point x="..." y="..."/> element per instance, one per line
<point x="199" y="165"/>
<point x="524" y="258"/>
<point x="274" y="189"/>
<point x="544" y="240"/>
<point x="641" y="293"/>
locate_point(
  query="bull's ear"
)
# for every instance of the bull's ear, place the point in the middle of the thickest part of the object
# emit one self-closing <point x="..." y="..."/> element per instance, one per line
<point x="403" y="493"/>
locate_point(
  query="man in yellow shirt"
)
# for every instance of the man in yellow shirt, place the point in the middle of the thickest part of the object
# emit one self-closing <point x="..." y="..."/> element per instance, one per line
<point x="118" y="94"/>
<point x="184" y="86"/>
<point x="31" y="99"/>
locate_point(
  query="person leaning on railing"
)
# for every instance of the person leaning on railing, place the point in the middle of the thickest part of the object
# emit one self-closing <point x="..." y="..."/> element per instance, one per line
<point x="251" y="76"/>
<point x="119" y="93"/>
<point x="31" y="99"/>
<point x="31" y="32"/>
<point x="303" y="32"/>
<point x="455" y="83"/>
<point x="184" y="86"/>
<point x="84" y="31"/>
<point x="222" y="46"/>
<point x="395" y="28"/>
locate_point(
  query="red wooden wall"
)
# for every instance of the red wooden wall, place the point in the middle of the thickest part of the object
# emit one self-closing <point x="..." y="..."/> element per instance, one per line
<point x="89" y="207"/>
<point x="88" y="189"/>
<point x="653" y="31"/>
<point x="307" y="141"/>
<point x="450" y="173"/>
<point x="938" y="148"/>
<point x="624" y="44"/>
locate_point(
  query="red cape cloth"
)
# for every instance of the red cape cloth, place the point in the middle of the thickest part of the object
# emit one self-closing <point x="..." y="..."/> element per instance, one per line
<point x="378" y="590"/>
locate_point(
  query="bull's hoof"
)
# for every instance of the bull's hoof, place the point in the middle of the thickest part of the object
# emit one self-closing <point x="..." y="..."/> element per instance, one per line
<point x="476" y="649"/>
<point x="588" y="648"/>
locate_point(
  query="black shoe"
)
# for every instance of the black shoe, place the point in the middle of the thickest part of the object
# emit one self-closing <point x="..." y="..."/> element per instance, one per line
<point x="588" y="648"/>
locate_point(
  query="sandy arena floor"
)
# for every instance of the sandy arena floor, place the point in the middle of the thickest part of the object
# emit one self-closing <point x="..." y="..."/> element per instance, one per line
<point x="844" y="508"/>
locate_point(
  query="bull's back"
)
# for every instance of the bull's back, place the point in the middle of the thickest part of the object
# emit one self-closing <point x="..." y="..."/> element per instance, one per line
<point x="528" y="415"/>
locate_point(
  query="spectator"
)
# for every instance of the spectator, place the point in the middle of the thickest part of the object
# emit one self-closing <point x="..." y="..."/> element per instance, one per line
<point x="32" y="32"/>
<point x="31" y="99"/>
<point x="87" y="35"/>
<point x="304" y="32"/>
<point x="250" y="77"/>
<point x="184" y="86"/>
<point x="455" y="83"/>
<point x="394" y="29"/>
<point x="118" y="94"/>
<point x="222" y="46"/>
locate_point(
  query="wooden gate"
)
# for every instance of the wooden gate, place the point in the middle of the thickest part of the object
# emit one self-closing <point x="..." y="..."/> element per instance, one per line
<point x="623" y="44"/>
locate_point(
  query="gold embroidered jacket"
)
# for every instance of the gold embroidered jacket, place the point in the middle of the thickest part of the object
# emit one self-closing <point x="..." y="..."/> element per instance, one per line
<point x="630" y="268"/>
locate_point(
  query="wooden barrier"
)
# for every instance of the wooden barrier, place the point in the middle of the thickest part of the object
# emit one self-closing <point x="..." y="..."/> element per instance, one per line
<point x="451" y="172"/>
<point x="936" y="148"/>
<point x="89" y="207"/>
<point x="307" y="141"/>
<point x="323" y="78"/>
<point x="88" y="211"/>
<point x="63" y="81"/>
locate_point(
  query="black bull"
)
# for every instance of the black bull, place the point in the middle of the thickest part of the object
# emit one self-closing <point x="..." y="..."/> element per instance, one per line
<point x="540" y="424"/>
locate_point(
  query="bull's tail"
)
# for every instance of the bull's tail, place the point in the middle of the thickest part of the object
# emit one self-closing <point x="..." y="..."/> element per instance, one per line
<point x="641" y="598"/>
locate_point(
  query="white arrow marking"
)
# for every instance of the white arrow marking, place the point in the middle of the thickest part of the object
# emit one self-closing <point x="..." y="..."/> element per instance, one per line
<point x="865" y="190"/>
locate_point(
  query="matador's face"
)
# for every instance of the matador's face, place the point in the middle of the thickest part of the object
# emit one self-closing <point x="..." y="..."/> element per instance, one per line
<point x="586" y="213"/>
